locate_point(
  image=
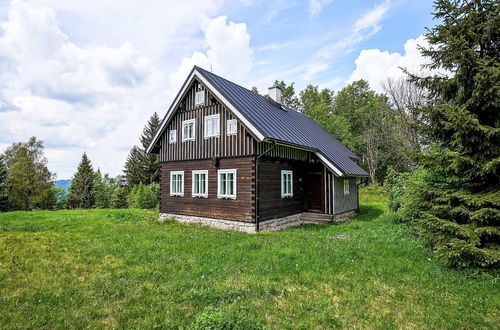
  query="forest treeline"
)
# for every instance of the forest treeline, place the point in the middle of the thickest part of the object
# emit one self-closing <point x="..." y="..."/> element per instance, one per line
<point x="27" y="184"/>
<point x="431" y="139"/>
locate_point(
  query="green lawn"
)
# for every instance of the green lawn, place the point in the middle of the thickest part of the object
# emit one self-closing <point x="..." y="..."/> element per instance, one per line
<point x="120" y="268"/>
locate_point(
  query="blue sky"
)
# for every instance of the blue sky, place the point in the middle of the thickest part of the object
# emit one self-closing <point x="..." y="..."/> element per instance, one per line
<point x="86" y="75"/>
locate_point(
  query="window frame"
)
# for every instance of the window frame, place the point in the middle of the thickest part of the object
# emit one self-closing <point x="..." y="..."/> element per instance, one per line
<point x="228" y="124"/>
<point x="202" y="102"/>
<point x="226" y="196"/>
<point x="198" y="172"/>
<point x="177" y="193"/>
<point x="187" y="122"/>
<point x="347" y="186"/>
<point x="205" y="120"/>
<point x="174" y="140"/>
<point x="285" y="194"/>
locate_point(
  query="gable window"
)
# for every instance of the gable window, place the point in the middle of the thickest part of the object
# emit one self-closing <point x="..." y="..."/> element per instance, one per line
<point x="177" y="183"/>
<point x="226" y="184"/>
<point x="346" y="187"/>
<point x="172" y="137"/>
<point x="200" y="183"/>
<point x="212" y="127"/>
<point x="199" y="98"/>
<point x="286" y="183"/>
<point x="231" y="127"/>
<point x="188" y="130"/>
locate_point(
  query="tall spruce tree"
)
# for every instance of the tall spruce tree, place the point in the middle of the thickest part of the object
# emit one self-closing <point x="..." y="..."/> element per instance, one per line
<point x="141" y="167"/>
<point x="151" y="161"/>
<point x="460" y="194"/>
<point x="3" y="185"/>
<point x="81" y="191"/>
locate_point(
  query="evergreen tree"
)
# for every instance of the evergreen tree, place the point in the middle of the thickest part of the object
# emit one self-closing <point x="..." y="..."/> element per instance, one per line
<point x="151" y="161"/>
<point x="29" y="181"/>
<point x="460" y="196"/>
<point x="3" y="185"/>
<point x="81" y="191"/>
<point x="135" y="171"/>
<point x="141" y="167"/>
<point x="120" y="193"/>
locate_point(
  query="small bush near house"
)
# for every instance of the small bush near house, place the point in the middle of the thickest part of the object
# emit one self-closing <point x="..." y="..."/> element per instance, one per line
<point x="144" y="196"/>
<point x="401" y="197"/>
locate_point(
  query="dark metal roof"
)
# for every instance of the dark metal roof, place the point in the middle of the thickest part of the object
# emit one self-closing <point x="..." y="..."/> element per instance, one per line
<point x="284" y="124"/>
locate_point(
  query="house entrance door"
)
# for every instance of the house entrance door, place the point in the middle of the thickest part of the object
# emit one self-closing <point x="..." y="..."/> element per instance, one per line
<point x="314" y="192"/>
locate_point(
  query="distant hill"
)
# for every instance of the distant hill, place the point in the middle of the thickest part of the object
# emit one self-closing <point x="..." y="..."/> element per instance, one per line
<point x="63" y="184"/>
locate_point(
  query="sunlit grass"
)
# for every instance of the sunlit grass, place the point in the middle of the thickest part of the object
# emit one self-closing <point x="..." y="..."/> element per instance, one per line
<point x="121" y="268"/>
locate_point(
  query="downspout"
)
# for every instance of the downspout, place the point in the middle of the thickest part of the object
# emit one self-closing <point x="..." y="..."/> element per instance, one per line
<point x="257" y="193"/>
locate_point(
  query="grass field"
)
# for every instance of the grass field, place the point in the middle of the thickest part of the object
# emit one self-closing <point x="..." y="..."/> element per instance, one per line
<point x="120" y="268"/>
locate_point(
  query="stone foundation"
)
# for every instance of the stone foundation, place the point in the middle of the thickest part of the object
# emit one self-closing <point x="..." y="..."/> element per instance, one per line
<point x="344" y="216"/>
<point x="246" y="227"/>
<point x="281" y="223"/>
<point x="294" y="220"/>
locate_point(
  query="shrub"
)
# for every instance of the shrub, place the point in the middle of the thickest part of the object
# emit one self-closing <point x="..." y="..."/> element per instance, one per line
<point x="402" y="198"/>
<point x="143" y="196"/>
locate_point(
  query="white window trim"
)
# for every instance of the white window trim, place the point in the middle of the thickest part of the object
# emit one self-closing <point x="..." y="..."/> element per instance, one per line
<point x="196" y="103"/>
<point x="283" y="173"/>
<point x="235" y="125"/>
<point x="181" y="193"/>
<point x="219" y="195"/>
<point x="205" y="125"/>
<point x="206" y="183"/>
<point x="185" y="122"/>
<point x="347" y="184"/>
<point x="175" y="136"/>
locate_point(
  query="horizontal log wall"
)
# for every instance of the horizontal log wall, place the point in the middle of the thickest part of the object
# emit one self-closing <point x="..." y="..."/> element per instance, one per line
<point x="241" y="209"/>
<point x="241" y="144"/>
<point x="271" y="204"/>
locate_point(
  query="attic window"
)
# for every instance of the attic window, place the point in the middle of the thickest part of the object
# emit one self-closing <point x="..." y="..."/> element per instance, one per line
<point x="231" y="127"/>
<point x="199" y="98"/>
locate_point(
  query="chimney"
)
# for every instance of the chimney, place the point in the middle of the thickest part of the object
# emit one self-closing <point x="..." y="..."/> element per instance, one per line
<point x="275" y="93"/>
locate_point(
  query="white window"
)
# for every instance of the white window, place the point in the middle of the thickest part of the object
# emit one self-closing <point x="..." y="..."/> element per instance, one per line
<point x="286" y="183"/>
<point x="199" y="98"/>
<point x="226" y="184"/>
<point x="177" y="183"/>
<point x="231" y="127"/>
<point x="172" y="137"/>
<point x="346" y="187"/>
<point x="212" y="127"/>
<point x="200" y="183"/>
<point x="188" y="130"/>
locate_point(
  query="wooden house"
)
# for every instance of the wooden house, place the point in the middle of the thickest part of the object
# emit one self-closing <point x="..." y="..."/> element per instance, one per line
<point x="233" y="159"/>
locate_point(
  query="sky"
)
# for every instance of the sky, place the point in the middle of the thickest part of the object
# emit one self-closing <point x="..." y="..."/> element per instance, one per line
<point x="87" y="75"/>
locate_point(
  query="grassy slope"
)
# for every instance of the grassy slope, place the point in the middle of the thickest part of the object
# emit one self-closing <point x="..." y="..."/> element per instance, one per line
<point x="107" y="268"/>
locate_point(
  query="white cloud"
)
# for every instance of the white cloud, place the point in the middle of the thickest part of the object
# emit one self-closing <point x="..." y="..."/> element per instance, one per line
<point x="376" y="66"/>
<point x="362" y="29"/>
<point x="78" y="96"/>
<point x="228" y="52"/>
<point x="315" y="6"/>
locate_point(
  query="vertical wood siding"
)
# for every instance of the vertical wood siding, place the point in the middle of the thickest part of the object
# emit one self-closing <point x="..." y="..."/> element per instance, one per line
<point x="241" y="209"/>
<point x="344" y="203"/>
<point x="287" y="152"/>
<point x="241" y="144"/>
